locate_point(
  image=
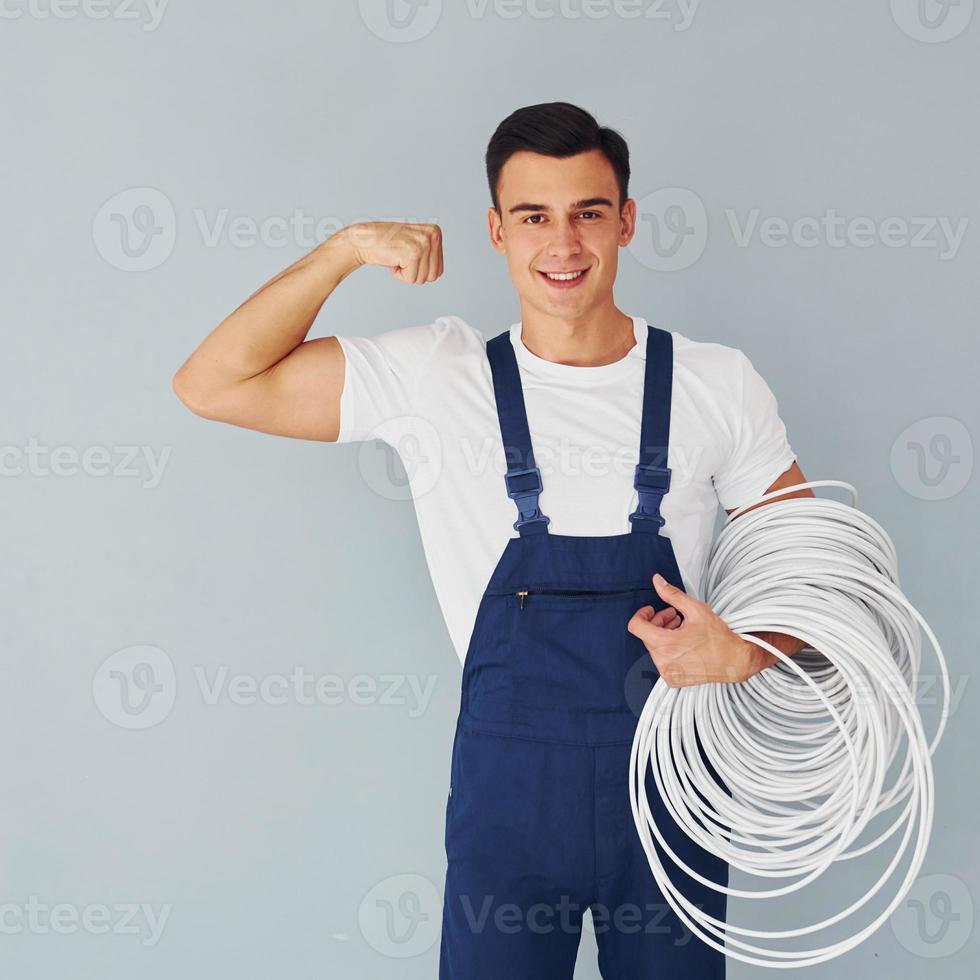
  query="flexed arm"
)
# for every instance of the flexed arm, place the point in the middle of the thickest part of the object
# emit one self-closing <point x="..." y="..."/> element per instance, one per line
<point x="257" y="370"/>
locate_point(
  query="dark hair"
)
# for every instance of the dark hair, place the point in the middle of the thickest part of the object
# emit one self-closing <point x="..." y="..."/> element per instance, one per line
<point x="555" y="129"/>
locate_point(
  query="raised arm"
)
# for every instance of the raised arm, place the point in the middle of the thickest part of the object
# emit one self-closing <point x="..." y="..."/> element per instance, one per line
<point x="256" y="369"/>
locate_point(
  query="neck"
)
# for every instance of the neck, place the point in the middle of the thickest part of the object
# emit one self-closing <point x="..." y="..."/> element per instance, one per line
<point x="591" y="340"/>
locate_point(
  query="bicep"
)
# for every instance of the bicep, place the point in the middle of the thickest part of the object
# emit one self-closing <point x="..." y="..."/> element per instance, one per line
<point x="298" y="396"/>
<point x="337" y="389"/>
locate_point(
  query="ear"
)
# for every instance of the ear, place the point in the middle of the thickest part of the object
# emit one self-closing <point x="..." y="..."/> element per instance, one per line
<point x="496" y="230"/>
<point x="627" y="222"/>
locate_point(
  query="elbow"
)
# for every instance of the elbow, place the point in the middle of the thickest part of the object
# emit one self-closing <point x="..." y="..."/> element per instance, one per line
<point x="192" y="394"/>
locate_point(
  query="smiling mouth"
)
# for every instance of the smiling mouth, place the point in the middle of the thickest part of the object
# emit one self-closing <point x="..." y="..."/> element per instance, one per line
<point x="564" y="280"/>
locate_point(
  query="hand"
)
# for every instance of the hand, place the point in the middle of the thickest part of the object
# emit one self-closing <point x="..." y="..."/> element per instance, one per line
<point x="412" y="253"/>
<point x="701" y="649"/>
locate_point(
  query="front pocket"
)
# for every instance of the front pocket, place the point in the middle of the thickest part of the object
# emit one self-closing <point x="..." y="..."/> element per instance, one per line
<point x="570" y="647"/>
<point x="563" y="651"/>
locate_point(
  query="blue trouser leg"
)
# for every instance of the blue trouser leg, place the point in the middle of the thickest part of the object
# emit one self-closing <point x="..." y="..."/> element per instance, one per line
<point x="519" y="842"/>
<point x="638" y="933"/>
<point x="538" y="831"/>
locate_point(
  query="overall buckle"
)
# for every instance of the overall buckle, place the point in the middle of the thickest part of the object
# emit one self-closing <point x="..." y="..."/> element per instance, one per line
<point x="651" y="484"/>
<point x="523" y="487"/>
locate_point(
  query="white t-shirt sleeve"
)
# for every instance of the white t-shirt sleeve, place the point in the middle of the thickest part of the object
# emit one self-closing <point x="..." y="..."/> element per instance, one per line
<point x="760" y="450"/>
<point x="381" y="376"/>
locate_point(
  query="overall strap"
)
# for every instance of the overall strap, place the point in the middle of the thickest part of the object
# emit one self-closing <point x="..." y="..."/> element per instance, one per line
<point x="651" y="478"/>
<point x="523" y="478"/>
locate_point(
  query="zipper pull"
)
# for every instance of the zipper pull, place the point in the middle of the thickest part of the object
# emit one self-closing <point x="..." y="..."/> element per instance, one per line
<point x="523" y="595"/>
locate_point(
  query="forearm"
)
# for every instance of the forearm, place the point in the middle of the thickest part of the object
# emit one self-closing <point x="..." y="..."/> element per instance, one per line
<point x="272" y="322"/>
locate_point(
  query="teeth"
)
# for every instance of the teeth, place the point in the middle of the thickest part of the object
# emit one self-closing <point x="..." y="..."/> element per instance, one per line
<point x="563" y="276"/>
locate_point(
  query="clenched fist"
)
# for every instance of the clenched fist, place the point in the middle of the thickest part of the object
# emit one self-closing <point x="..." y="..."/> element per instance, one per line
<point x="413" y="253"/>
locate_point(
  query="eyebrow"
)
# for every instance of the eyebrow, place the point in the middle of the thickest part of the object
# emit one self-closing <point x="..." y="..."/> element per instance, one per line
<point x="588" y="202"/>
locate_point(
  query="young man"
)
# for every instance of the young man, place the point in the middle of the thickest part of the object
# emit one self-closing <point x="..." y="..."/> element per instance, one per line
<point x="619" y="441"/>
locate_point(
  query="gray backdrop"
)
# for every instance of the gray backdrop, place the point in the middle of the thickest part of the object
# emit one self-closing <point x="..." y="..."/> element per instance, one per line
<point x="228" y="696"/>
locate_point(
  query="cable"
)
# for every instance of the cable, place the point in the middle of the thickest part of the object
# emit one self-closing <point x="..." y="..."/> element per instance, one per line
<point x="813" y="749"/>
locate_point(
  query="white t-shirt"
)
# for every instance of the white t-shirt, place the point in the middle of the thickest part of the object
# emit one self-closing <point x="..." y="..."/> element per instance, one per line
<point x="427" y="391"/>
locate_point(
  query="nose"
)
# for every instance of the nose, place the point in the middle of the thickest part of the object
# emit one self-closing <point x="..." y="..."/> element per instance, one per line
<point x="564" y="240"/>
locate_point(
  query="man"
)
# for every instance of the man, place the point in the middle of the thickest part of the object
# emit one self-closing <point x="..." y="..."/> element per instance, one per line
<point x="619" y="441"/>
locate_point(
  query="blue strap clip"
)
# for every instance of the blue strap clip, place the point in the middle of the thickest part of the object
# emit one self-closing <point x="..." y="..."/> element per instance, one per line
<point x="523" y="487"/>
<point x="651" y="484"/>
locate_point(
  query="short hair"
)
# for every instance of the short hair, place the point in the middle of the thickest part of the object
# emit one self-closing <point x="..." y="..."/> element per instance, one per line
<point x="555" y="129"/>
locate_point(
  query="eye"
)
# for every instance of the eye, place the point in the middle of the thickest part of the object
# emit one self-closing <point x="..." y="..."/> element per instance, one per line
<point x="595" y="213"/>
<point x="530" y="216"/>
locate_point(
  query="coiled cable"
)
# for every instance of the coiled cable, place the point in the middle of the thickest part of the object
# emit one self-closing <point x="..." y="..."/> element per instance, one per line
<point x="813" y="749"/>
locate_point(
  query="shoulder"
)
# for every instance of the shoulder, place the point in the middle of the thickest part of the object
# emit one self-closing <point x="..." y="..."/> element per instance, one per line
<point x="713" y="367"/>
<point x="414" y="347"/>
<point x="454" y="336"/>
<point x="449" y="331"/>
<point x="445" y="336"/>
<point x="723" y="379"/>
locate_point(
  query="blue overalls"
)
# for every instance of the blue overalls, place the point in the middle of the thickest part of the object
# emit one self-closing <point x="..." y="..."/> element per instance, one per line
<point x="538" y="819"/>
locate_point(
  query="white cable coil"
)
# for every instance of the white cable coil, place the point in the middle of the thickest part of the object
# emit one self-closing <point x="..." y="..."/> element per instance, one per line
<point x="808" y="747"/>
